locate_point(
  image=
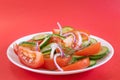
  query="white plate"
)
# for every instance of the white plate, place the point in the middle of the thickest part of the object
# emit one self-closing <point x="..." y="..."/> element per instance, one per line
<point x="14" y="59"/>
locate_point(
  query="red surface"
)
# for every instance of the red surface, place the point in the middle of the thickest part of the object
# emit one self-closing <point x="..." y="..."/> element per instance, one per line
<point x="22" y="17"/>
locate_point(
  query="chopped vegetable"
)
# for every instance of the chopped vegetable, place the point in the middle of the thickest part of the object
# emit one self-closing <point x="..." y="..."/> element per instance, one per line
<point x="67" y="29"/>
<point x="33" y="59"/>
<point x="90" y="50"/>
<point x="55" y="61"/>
<point x="92" y="63"/>
<point x="70" y="33"/>
<point x="27" y="44"/>
<point x="92" y="40"/>
<point x="61" y="61"/>
<point x="83" y="63"/>
<point x="47" y="48"/>
<point x="54" y="46"/>
<point x="104" y="50"/>
<point x="75" y="58"/>
<point x="60" y="28"/>
<point x="40" y="36"/>
<point x="44" y="42"/>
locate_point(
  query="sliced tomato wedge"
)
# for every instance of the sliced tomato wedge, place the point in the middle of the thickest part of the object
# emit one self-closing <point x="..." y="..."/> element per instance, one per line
<point x="78" y="65"/>
<point x="56" y="40"/>
<point x="90" y="50"/>
<point x="85" y="35"/>
<point x="32" y="59"/>
<point x="56" y="31"/>
<point x="85" y="31"/>
<point x="15" y="48"/>
<point x="50" y="65"/>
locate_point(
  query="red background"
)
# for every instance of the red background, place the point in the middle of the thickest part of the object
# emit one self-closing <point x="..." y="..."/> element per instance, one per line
<point x="22" y="17"/>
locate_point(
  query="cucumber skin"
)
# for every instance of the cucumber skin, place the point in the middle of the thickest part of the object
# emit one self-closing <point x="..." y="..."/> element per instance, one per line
<point x="92" y="40"/>
<point x="66" y="29"/>
<point x="41" y="37"/>
<point x="27" y="44"/>
<point x="47" y="48"/>
<point x="92" y="63"/>
<point x="43" y="48"/>
<point x="47" y="53"/>
<point x="99" y="56"/>
<point x="45" y="43"/>
<point x="76" y="58"/>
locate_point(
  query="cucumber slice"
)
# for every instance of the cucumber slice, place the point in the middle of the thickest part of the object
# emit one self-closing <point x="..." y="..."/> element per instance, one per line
<point x="47" y="48"/>
<point x="75" y="58"/>
<point x="40" y="36"/>
<point x="27" y="44"/>
<point x="85" y="44"/>
<point x="46" y="53"/>
<point x="68" y="50"/>
<point x="57" y="35"/>
<point x="66" y="29"/>
<point x="104" y="50"/>
<point x="92" y="40"/>
<point x="45" y="42"/>
<point x="92" y="63"/>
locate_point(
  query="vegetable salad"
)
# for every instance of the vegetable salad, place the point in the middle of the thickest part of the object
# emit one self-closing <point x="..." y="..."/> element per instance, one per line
<point x="64" y="50"/>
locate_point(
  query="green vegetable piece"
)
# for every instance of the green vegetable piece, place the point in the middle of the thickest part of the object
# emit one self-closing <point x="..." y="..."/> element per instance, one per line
<point x="47" y="48"/>
<point x="58" y="35"/>
<point x="66" y="29"/>
<point x="76" y="58"/>
<point x="27" y="44"/>
<point x="47" y="53"/>
<point x="85" y="44"/>
<point x="104" y="50"/>
<point x="68" y="50"/>
<point x="40" y="36"/>
<point x="92" y="40"/>
<point x="45" y="42"/>
<point x="92" y="63"/>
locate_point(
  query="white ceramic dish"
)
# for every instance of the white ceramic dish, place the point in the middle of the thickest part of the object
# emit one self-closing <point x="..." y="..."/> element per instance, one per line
<point x="14" y="59"/>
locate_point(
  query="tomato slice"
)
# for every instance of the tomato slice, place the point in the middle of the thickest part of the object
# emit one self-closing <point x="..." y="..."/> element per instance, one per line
<point x="76" y="39"/>
<point x="85" y="31"/>
<point x="90" y="50"/>
<point x="56" y="31"/>
<point x="32" y="59"/>
<point x="49" y="63"/>
<point x="15" y="48"/>
<point x="81" y="64"/>
<point x="56" y="40"/>
<point x="84" y="37"/>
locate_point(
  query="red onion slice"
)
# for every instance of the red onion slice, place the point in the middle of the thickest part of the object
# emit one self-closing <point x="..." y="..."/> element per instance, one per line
<point x="60" y="27"/>
<point x="70" y="33"/>
<point x="86" y="35"/>
<point x="37" y="46"/>
<point x="54" y="46"/>
<point x="79" y="40"/>
<point x="61" y="51"/>
<point x="55" y="61"/>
